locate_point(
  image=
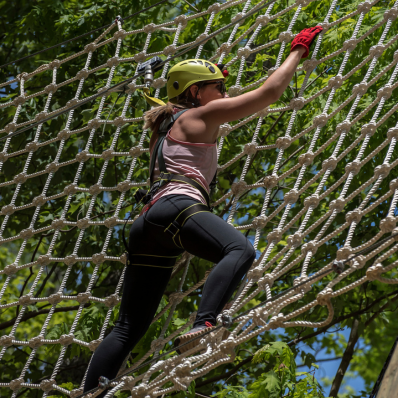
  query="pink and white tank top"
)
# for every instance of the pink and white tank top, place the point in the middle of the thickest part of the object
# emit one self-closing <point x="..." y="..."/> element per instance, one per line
<point x="193" y="160"/>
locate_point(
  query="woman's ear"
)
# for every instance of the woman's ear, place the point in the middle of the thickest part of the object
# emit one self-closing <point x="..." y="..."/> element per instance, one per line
<point x="194" y="89"/>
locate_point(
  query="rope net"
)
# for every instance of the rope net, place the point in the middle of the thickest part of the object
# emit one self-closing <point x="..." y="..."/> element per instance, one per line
<point x="314" y="185"/>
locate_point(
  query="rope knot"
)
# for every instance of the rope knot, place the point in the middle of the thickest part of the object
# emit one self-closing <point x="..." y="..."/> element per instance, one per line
<point x="270" y="181"/>
<point x="256" y="273"/>
<point x="70" y="189"/>
<point x="26" y="299"/>
<point x="275" y="236"/>
<point x="295" y="239"/>
<point x="239" y="187"/>
<point x="323" y="297"/>
<point x="306" y="159"/>
<point x="373" y="273"/>
<point x="66" y="339"/>
<point x="44" y="259"/>
<point x="54" y="298"/>
<point x="70" y="260"/>
<point x="112" y="300"/>
<point x="16" y="383"/>
<point x="83" y="298"/>
<point x="353" y="167"/>
<point x="98" y="258"/>
<point x="311" y="246"/>
<point x="382" y="170"/>
<point x="95" y="189"/>
<point x="354" y="216"/>
<point x="260" y="222"/>
<point x="234" y="91"/>
<point x="250" y="149"/>
<point x="266" y="280"/>
<point x="224" y="130"/>
<point x="93" y="345"/>
<point x="276" y="321"/>
<point x="7" y="210"/>
<point x="6" y="341"/>
<point x="124" y="186"/>
<point x="297" y="103"/>
<point x="83" y="223"/>
<point x="21" y="178"/>
<point x="47" y="385"/>
<point x="388" y="224"/>
<point x="283" y="142"/>
<point x="337" y="204"/>
<point x="111" y="222"/>
<point x="291" y="197"/>
<point x="263" y="19"/>
<point x="36" y="342"/>
<point x="3" y="157"/>
<point x="26" y="233"/>
<point x="11" y="269"/>
<point x="344" y="253"/>
<point x="310" y="64"/>
<point x="82" y="156"/>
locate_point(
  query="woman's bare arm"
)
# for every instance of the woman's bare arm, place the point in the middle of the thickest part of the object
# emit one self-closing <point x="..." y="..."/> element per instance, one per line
<point x="201" y="124"/>
<point x="228" y="109"/>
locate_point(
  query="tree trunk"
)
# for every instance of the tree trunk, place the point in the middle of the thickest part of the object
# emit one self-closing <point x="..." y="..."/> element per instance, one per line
<point x="345" y="361"/>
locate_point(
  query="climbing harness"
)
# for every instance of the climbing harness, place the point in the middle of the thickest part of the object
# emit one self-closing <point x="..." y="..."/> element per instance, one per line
<point x="176" y="225"/>
<point x="166" y="177"/>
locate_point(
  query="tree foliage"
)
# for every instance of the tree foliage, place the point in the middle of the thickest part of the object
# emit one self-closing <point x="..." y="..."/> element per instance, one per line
<point x="261" y="369"/>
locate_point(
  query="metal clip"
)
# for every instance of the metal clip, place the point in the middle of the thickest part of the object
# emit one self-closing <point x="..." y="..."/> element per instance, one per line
<point x="338" y="266"/>
<point x="148" y="78"/>
<point x="103" y="382"/>
<point x="226" y="320"/>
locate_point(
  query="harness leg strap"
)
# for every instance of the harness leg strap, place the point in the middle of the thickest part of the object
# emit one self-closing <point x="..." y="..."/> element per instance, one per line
<point x="175" y="226"/>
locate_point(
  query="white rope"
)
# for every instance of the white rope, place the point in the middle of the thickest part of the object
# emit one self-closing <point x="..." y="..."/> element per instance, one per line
<point x="311" y="190"/>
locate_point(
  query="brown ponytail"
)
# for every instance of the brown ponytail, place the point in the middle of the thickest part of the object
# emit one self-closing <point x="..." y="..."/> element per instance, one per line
<point x="154" y="117"/>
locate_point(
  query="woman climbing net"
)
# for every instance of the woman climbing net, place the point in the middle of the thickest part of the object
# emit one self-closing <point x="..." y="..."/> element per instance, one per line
<point x="177" y="216"/>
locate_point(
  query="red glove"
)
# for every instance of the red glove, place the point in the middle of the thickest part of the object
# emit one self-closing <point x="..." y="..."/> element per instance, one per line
<point x="305" y="38"/>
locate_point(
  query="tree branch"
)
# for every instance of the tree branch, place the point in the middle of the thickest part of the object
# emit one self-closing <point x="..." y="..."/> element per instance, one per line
<point x="33" y="314"/>
<point x="347" y="356"/>
<point x="308" y="336"/>
<point x="341" y="319"/>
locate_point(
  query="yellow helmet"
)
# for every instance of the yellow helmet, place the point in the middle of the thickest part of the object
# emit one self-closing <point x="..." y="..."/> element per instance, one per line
<point x="188" y="72"/>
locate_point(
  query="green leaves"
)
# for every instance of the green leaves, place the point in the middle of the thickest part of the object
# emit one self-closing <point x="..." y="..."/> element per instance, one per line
<point x="282" y="376"/>
<point x="232" y="392"/>
<point x="55" y="333"/>
<point x="32" y="26"/>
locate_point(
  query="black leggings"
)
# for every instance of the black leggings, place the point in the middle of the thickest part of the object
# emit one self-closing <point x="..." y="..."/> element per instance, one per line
<point x="204" y="235"/>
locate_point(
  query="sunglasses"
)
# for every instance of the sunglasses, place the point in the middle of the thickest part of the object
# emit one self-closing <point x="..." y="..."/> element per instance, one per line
<point x="220" y="85"/>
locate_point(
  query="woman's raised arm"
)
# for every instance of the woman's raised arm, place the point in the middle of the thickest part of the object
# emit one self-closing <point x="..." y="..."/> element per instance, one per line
<point x="228" y="109"/>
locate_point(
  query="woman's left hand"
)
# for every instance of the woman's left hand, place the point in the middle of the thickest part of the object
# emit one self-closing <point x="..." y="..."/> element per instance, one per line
<point x="305" y="39"/>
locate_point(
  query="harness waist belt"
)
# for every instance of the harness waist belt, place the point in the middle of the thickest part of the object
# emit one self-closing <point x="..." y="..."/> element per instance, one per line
<point x="168" y="177"/>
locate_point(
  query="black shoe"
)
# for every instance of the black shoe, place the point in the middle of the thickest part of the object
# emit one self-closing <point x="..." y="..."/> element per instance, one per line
<point x="192" y="334"/>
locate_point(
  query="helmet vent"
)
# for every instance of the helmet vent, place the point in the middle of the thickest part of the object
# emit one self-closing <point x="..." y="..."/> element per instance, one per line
<point x="176" y="85"/>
